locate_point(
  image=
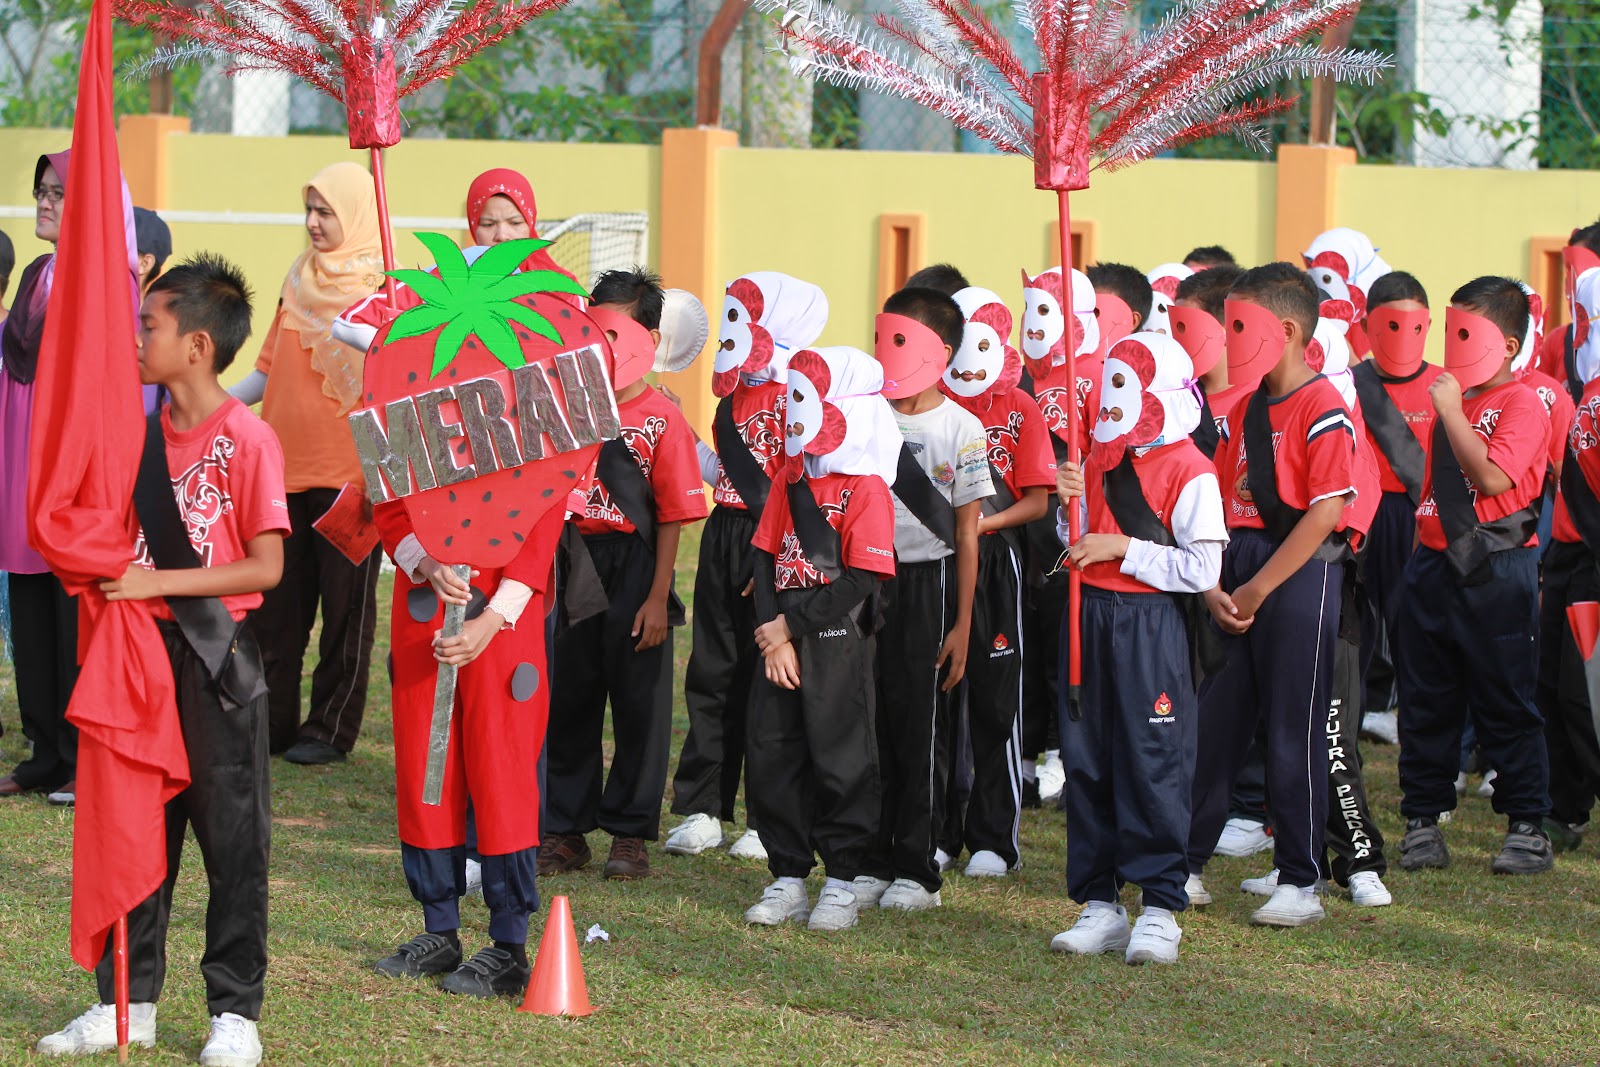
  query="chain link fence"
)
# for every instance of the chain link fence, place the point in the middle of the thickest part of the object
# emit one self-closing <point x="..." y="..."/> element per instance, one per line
<point x="1511" y="83"/>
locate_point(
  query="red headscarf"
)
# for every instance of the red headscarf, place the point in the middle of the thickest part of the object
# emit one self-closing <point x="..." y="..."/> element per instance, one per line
<point x="502" y="181"/>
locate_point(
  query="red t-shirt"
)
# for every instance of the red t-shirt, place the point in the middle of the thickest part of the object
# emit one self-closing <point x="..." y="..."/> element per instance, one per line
<point x="1019" y="443"/>
<point x="1222" y="403"/>
<point x="1551" y="359"/>
<point x="1583" y="438"/>
<point x="1363" y="507"/>
<point x="1163" y="474"/>
<point x="1314" y="442"/>
<point x="1052" y="394"/>
<point x="1558" y="406"/>
<point x="663" y="445"/>
<point x="858" y="506"/>
<point x="1411" y="399"/>
<point x="1513" y="420"/>
<point x="227" y="476"/>
<point x="758" y="414"/>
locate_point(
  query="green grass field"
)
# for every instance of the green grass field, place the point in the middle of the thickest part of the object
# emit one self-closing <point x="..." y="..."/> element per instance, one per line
<point x="1465" y="968"/>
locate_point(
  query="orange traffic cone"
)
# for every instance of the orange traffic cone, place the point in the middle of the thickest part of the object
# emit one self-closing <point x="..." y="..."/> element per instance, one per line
<point x="556" y="986"/>
<point x="1584" y="618"/>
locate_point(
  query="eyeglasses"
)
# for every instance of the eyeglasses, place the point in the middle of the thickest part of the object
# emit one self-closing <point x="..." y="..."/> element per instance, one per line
<point x="50" y="193"/>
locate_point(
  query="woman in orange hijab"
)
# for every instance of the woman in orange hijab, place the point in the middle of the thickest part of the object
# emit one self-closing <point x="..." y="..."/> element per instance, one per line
<point x="311" y="381"/>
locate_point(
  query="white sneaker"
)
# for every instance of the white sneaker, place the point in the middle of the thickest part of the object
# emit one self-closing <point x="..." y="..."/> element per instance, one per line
<point x="1199" y="895"/>
<point x="1368" y="891"/>
<point x="1461" y="784"/>
<point x="1381" y="726"/>
<point x="96" y="1031"/>
<point x="945" y="861"/>
<point x="907" y="894"/>
<point x="1264" y="886"/>
<point x="1290" y="906"/>
<point x="1243" y="837"/>
<point x="1052" y="776"/>
<point x="749" y="847"/>
<point x="233" y="1042"/>
<point x="63" y="798"/>
<point x="986" y="864"/>
<point x="1155" y="938"/>
<point x="869" y="890"/>
<point x="837" y="909"/>
<point x="780" y="902"/>
<point x="474" y="877"/>
<point x="1101" y="928"/>
<point x="694" y="835"/>
<point x="1486" y="787"/>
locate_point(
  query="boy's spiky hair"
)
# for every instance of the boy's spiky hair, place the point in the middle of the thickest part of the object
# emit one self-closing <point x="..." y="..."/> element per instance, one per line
<point x="936" y="310"/>
<point x="944" y="277"/>
<point x="1209" y="288"/>
<point x="206" y="293"/>
<point x="1396" y="285"/>
<point x="638" y="290"/>
<point x="1500" y="300"/>
<point x="1127" y="283"/>
<point x="1283" y="289"/>
<point x="1210" y="256"/>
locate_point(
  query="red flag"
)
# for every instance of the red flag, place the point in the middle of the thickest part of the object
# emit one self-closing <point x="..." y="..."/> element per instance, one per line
<point x="88" y="433"/>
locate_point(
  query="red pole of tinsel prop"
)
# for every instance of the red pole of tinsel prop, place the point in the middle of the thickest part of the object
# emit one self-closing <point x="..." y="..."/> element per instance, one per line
<point x="383" y="220"/>
<point x="1074" y="514"/>
<point x="119" y="969"/>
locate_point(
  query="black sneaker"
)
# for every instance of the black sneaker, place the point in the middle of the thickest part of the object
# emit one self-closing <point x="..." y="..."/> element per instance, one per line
<point x="309" y="753"/>
<point x="1564" y="837"/>
<point x="423" y="955"/>
<point x="1527" y="851"/>
<point x="493" y="972"/>
<point x="1423" y="846"/>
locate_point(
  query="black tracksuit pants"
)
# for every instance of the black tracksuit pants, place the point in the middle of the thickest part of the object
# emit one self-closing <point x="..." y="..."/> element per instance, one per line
<point x="1130" y="755"/>
<point x="1280" y="670"/>
<point x="1044" y="609"/>
<point x="228" y="805"/>
<point x="1562" y="693"/>
<point x="915" y="719"/>
<point x="1471" y="647"/>
<point x="316" y="574"/>
<point x="44" y="638"/>
<point x="813" y="781"/>
<point x="722" y="664"/>
<point x="1388" y="547"/>
<point x="1354" y="840"/>
<point x="596" y="660"/>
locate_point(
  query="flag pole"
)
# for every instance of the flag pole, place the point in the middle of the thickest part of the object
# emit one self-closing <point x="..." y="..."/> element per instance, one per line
<point x="1074" y="519"/>
<point x="119" y="970"/>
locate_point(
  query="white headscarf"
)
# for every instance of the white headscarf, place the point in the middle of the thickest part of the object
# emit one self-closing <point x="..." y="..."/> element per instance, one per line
<point x="1362" y="262"/>
<point x="871" y="441"/>
<point x="793" y="313"/>
<point x="1586" y="297"/>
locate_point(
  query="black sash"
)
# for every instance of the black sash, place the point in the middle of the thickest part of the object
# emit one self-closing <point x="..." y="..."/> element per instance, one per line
<point x="1582" y="505"/>
<point x="1125" y="497"/>
<point x="818" y="539"/>
<point x="208" y="628"/>
<point x="922" y="499"/>
<point x="1569" y="359"/>
<point x="1206" y="436"/>
<point x="630" y="491"/>
<point x="1388" y="427"/>
<point x="1470" y="542"/>
<point x="1279" y="518"/>
<point x="1001" y="501"/>
<point x="748" y="476"/>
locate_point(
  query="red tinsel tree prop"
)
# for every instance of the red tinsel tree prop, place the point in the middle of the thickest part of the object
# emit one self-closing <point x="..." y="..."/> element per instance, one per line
<point x="1109" y="95"/>
<point x="366" y="54"/>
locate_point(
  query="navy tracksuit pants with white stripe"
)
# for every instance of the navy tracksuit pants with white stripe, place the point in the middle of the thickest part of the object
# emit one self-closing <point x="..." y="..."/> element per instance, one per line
<point x="1279" y="670"/>
<point x="1130" y="756"/>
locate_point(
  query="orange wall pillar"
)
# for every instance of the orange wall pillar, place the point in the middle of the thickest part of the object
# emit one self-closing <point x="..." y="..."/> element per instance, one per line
<point x="142" y="145"/>
<point x="1308" y="188"/>
<point x="688" y="254"/>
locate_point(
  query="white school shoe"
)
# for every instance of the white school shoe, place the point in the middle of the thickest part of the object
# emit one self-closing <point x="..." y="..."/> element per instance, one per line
<point x="907" y="894"/>
<point x="96" y="1031"/>
<point x="1461" y="784"/>
<point x="1290" y="906"/>
<point x="1368" y="891"/>
<point x="1199" y="895"/>
<point x="1052" y="776"/>
<point x="1486" y="787"/>
<point x="694" y="835"/>
<point x="1264" y="886"/>
<point x="1381" y="726"/>
<point x="945" y="861"/>
<point x="749" y="847"/>
<point x="1155" y="938"/>
<point x="986" y="864"/>
<point x="1243" y="837"/>
<point x="869" y="890"/>
<point x="780" y="902"/>
<point x="837" y="908"/>
<point x="234" y="1042"/>
<point x="1101" y="928"/>
<point x="474" y="878"/>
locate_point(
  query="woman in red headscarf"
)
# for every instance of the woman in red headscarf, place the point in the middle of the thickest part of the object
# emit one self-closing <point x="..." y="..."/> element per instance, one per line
<point x="500" y="207"/>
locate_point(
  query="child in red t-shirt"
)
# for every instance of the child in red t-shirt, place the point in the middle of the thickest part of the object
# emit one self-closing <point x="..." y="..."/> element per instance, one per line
<point x="1195" y="322"/>
<point x="1470" y="599"/>
<point x="623" y="653"/>
<point x="1287" y="471"/>
<point x="825" y="541"/>
<point x="226" y="472"/>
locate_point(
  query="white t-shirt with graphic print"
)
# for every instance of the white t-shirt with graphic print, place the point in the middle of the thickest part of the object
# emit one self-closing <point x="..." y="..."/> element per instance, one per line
<point x="949" y="443"/>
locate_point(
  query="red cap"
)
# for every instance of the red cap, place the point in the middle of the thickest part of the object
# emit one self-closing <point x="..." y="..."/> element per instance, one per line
<point x="1254" y="340"/>
<point x="1199" y="333"/>
<point x="1474" y="347"/>
<point x="1398" y="339"/>
<point x="912" y="355"/>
